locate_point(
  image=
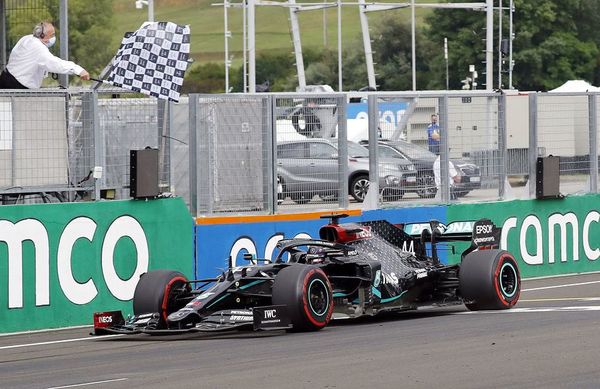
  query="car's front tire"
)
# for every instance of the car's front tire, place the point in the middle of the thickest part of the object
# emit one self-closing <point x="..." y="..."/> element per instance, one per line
<point x="307" y="293"/>
<point x="489" y="279"/>
<point x="155" y="292"/>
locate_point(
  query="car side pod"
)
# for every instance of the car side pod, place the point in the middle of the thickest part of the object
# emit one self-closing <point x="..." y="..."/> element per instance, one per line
<point x="105" y="320"/>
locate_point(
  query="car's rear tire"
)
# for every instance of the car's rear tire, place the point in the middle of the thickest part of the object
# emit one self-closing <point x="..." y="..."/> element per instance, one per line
<point x="489" y="279"/>
<point x="156" y="291"/>
<point x="359" y="187"/>
<point x="307" y="293"/>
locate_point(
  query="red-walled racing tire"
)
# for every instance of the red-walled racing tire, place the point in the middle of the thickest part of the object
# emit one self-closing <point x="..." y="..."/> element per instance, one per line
<point x="489" y="279"/>
<point x="156" y="291"/>
<point x="307" y="293"/>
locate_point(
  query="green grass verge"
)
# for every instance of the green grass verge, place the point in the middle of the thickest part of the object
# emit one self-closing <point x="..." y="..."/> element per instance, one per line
<point x="272" y="26"/>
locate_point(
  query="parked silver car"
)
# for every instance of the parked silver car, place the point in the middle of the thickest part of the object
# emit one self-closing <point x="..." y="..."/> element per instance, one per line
<point x="309" y="167"/>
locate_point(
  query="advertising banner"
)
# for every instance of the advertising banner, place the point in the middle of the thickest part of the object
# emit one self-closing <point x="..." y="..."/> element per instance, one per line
<point x="217" y="239"/>
<point x="547" y="237"/>
<point x="61" y="262"/>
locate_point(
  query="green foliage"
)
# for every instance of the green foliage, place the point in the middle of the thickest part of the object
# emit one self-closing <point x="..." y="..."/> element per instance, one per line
<point x="552" y="46"/>
<point x="22" y="21"/>
<point x="392" y="47"/>
<point x="555" y="41"/>
<point x="205" y="78"/>
<point x="466" y="44"/>
<point x="324" y="70"/>
<point x="90" y="31"/>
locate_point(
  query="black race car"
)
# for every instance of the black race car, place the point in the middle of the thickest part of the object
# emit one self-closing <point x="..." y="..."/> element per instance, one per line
<point x="355" y="269"/>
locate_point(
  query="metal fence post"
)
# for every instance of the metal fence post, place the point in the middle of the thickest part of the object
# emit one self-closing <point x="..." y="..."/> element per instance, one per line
<point x="270" y="142"/>
<point x="207" y="133"/>
<point x="533" y="143"/>
<point x="163" y="109"/>
<point x="502" y="146"/>
<point x="444" y="150"/>
<point x="593" y="134"/>
<point x="90" y="109"/>
<point x="342" y="151"/>
<point x="373" y="112"/>
<point x="193" y="149"/>
<point x="3" y="36"/>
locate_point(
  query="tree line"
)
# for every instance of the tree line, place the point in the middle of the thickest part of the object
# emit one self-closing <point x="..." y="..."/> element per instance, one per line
<point x="554" y="41"/>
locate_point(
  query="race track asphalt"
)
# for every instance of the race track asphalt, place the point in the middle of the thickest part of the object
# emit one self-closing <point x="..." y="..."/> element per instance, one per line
<point x="550" y="340"/>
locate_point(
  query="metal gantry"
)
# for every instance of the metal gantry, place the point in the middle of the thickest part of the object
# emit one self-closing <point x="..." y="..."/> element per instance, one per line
<point x="364" y="7"/>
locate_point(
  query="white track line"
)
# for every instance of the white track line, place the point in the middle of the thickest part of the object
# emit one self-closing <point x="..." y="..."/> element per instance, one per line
<point x="534" y="310"/>
<point x="560" y="286"/>
<point x="58" y="341"/>
<point x="108" y="336"/>
<point x="88" y="383"/>
<point x="541" y="300"/>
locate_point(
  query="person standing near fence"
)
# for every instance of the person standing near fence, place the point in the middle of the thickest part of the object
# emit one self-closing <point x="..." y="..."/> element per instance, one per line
<point x="30" y="61"/>
<point x="453" y="177"/>
<point x="433" y="135"/>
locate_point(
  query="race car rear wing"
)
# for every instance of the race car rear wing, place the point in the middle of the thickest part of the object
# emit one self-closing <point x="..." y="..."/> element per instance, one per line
<point x="482" y="234"/>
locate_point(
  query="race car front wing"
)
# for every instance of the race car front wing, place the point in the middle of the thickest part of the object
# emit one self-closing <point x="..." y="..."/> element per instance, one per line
<point x="265" y="318"/>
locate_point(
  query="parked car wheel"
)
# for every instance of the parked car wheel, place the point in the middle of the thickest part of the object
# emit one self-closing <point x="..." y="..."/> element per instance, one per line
<point x="359" y="187"/>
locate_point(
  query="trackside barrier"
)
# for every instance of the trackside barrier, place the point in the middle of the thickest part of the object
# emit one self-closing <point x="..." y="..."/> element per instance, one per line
<point x="59" y="263"/>
<point x="274" y="153"/>
<point x="219" y="238"/>
<point x="547" y="237"/>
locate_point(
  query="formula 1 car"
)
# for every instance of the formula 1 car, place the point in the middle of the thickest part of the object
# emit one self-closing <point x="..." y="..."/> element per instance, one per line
<point x="355" y="269"/>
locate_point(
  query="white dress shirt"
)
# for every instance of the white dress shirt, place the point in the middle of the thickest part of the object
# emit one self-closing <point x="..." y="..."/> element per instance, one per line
<point x="30" y="62"/>
<point x="436" y="172"/>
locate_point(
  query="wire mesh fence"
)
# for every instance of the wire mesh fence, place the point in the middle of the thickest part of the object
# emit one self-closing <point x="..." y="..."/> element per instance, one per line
<point x="232" y="153"/>
<point x="33" y="145"/>
<point x="274" y="153"/>
<point x="563" y="131"/>
<point x="73" y="145"/>
<point x="308" y="151"/>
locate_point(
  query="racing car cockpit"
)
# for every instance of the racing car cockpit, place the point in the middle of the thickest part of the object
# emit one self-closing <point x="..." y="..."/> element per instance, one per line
<point x="312" y="251"/>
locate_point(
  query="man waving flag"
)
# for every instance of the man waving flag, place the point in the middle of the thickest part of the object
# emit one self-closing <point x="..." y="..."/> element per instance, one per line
<point x="152" y="60"/>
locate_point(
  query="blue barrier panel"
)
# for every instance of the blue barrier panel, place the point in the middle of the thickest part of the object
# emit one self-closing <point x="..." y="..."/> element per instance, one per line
<point x="219" y="238"/>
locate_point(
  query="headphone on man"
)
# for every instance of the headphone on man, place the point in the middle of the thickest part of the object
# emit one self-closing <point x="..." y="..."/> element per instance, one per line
<point x="38" y="31"/>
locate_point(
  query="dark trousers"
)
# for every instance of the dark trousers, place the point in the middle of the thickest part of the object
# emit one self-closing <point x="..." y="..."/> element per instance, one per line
<point x="7" y="81"/>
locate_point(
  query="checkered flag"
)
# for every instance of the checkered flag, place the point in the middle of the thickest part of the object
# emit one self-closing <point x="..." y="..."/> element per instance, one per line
<point x="152" y="60"/>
